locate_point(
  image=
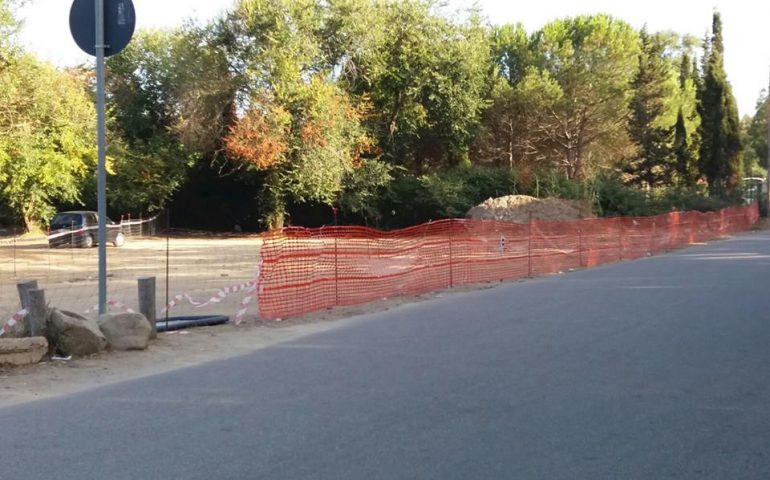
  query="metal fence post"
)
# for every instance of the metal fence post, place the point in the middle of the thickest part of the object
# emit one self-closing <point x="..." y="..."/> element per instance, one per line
<point x="451" y="256"/>
<point x="580" y="245"/>
<point x="529" y="246"/>
<point x="336" y="272"/>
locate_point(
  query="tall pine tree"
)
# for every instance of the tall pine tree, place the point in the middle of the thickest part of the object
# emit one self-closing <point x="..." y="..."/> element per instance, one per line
<point x="720" y="150"/>
<point x="653" y="162"/>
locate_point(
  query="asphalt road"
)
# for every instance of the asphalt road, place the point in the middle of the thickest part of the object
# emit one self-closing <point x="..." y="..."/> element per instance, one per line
<point x="653" y="369"/>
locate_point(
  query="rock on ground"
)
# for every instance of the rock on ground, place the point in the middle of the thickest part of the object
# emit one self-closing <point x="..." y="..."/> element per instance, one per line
<point x="517" y="208"/>
<point x="73" y="334"/>
<point x="22" y="351"/>
<point x="126" y="331"/>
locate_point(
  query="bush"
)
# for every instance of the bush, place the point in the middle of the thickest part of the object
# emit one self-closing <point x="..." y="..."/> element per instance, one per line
<point x="612" y="197"/>
<point x="413" y="200"/>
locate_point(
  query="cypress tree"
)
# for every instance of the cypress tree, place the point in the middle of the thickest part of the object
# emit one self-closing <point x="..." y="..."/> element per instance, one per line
<point x="720" y="149"/>
<point x="685" y="143"/>
<point x="654" y="160"/>
<point x="682" y="151"/>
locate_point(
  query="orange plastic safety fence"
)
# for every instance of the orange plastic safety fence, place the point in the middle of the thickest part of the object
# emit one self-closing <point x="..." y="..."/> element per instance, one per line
<point x="305" y="270"/>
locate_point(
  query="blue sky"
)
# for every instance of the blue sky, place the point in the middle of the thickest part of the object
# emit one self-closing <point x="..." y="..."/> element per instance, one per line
<point x="747" y="37"/>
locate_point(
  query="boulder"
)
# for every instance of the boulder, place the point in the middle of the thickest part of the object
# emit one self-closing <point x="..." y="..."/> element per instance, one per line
<point x="22" y="351"/>
<point x="126" y="331"/>
<point x="75" y="335"/>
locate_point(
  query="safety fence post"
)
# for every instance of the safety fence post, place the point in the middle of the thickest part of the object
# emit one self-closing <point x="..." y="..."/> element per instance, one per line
<point x="529" y="246"/>
<point x="654" y="235"/>
<point x="580" y="244"/>
<point x="620" y="238"/>
<point x="336" y="272"/>
<point x="451" y="256"/>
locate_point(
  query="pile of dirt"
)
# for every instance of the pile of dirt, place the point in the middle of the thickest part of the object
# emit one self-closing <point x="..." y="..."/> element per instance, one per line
<point x="517" y="208"/>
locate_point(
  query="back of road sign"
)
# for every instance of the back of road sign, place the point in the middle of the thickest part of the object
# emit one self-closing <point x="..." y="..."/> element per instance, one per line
<point x="119" y="23"/>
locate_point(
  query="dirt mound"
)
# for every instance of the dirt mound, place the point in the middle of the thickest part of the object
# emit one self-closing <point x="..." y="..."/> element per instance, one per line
<point x="517" y="208"/>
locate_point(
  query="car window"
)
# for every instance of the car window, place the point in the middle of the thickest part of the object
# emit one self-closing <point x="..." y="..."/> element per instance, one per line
<point x="91" y="219"/>
<point x="65" y="220"/>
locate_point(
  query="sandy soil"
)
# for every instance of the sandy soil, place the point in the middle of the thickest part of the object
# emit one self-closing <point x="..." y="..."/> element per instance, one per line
<point x="519" y="208"/>
<point x="197" y="266"/>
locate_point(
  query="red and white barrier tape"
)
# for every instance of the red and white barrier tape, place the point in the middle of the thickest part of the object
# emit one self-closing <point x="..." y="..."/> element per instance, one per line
<point x="11" y="322"/>
<point x="111" y="303"/>
<point x="216" y="298"/>
<point x="250" y="288"/>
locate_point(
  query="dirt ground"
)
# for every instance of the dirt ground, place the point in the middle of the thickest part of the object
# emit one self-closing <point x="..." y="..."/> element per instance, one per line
<point x="519" y="208"/>
<point x="196" y="266"/>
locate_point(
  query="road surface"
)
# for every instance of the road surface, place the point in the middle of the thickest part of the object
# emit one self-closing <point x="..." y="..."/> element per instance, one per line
<point x="652" y="369"/>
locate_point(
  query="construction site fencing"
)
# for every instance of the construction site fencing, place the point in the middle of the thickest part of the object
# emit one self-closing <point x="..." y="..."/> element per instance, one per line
<point x="305" y="270"/>
<point x="196" y="273"/>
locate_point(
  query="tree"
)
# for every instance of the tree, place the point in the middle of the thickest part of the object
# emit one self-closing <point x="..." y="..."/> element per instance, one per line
<point x="294" y="120"/>
<point x="427" y="80"/>
<point x="147" y="158"/>
<point x="720" y="150"/>
<point x="46" y="141"/>
<point x="653" y="163"/>
<point x="686" y="140"/>
<point x="592" y="59"/>
<point x="755" y="135"/>
<point x="511" y="51"/>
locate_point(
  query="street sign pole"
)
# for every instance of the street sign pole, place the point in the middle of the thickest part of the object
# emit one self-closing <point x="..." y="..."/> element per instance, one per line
<point x="767" y="182"/>
<point x="101" y="175"/>
<point x="102" y="28"/>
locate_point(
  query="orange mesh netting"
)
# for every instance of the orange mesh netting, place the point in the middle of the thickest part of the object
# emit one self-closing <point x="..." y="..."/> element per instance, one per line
<point x="305" y="269"/>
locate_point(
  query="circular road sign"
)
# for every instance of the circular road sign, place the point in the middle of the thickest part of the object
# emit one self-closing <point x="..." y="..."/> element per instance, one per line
<point x="119" y="23"/>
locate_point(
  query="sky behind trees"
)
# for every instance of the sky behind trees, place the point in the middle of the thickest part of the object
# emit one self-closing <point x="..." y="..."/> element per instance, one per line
<point x="747" y="54"/>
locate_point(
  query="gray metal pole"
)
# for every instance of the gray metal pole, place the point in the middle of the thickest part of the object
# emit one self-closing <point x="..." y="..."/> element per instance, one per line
<point x="767" y="183"/>
<point x="101" y="176"/>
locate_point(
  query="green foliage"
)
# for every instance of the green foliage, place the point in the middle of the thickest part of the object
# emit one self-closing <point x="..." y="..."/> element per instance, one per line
<point x="654" y="160"/>
<point x="511" y="51"/>
<point x="363" y="186"/>
<point x="46" y="141"/>
<point x="720" y="153"/>
<point x="390" y="111"/>
<point x="451" y="193"/>
<point x="426" y="78"/>
<point x="568" y="95"/>
<point x="755" y="134"/>
<point x="148" y="162"/>
<point x="613" y="197"/>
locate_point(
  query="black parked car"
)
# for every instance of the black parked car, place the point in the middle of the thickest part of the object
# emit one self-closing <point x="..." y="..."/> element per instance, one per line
<point x="81" y="229"/>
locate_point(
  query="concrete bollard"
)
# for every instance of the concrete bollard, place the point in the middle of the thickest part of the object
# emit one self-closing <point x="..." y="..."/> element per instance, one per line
<point x="146" y="286"/>
<point x="24" y="287"/>
<point x="38" y="310"/>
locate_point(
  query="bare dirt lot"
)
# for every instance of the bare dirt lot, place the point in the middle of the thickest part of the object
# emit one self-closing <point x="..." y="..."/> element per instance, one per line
<point x="195" y="266"/>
